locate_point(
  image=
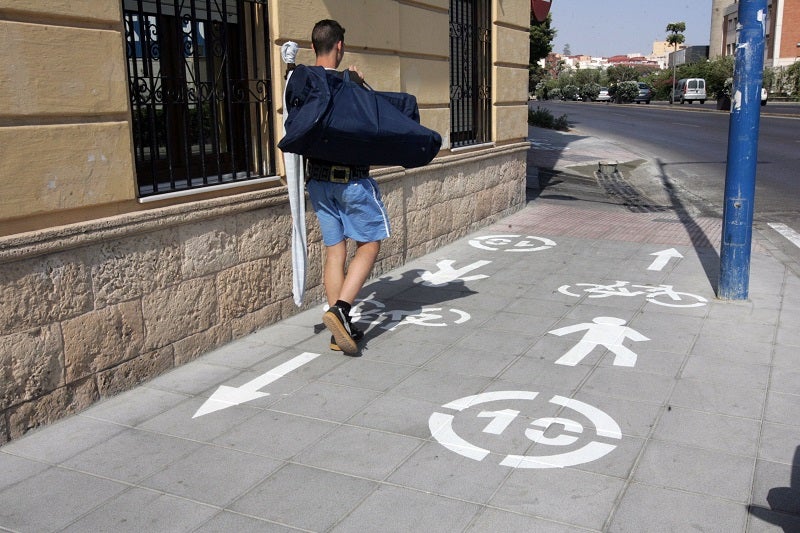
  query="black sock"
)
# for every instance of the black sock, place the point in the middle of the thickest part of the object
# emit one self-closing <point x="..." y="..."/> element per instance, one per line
<point x="345" y="307"/>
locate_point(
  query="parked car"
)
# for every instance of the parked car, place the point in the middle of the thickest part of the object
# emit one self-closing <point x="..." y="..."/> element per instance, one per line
<point x="645" y="93"/>
<point x="603" y="96"/>
<point x="763" y="96"/>
<point x="689" y="90"/>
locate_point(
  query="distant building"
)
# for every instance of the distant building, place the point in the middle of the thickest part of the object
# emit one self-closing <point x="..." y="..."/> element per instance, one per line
<point x="582" y="62"/>
<point x="632" y="61"/>
<point x="782" y="45"/>
<point x="690" y="54"/>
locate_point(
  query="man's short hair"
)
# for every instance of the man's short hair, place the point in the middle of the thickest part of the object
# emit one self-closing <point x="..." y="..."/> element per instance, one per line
<point x="325" y="35"/>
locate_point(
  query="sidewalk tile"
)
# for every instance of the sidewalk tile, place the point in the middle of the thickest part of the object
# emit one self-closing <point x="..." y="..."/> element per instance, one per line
<point x="179" y="421"/>
<point x="733" y="350"/>
<point x="532" y="373"/>
<point x="326" y="401"/>
<point x="139" y="510"/>
<point x="439" y="387"/>
<point x="227" y="521"/>
<point x="193" y="379"/>
<point x="403" y="351"/>
<point x="762" y="520"/>
<point x="636" y="419"/>
<point x="496" y="520"/>
<point x="242" y="353"/>
<point x="212" y="475"/>
<point x="368" y="374"/>
<point x="16" y="469"/>
<point x="776" y="487"/>
<point x="783" y="409"/>
<point x="135" y="406"/>
<point x="437" y="470"/>
<point x="132" y="455"/>
<point x="722" y="398"/>
<point x="274" y="434"/>
<point x="382" y="512"/>
<point x="786" y="381"/>
<point x="303" y="497"/>
<point x="473" y="362"/>
<point x="395" y="414"/>
<point x="360" y="452"/>
<point x="53" y="499"/>
<point x="657" y="510"/>
<point x="677" y="466"/>
<point x="780" y="443"/>
<point x="787" y="358"/>
<point x="62" y="440"/>
<point x="631" y="385"/>
<point x="564" y="494"/>
<point x="726" y="373"/>
<point x="710" y="431"/>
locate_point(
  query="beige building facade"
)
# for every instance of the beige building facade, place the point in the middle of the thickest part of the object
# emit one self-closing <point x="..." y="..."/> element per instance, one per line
<point x="144" y="217"/>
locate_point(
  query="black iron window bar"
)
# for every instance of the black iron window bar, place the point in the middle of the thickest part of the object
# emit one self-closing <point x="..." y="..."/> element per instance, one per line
<point x="470" y="72"/>
<point x="200" y="92"/>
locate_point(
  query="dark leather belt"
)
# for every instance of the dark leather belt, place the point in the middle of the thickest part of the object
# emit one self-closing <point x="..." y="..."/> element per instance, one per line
<point x="336" y="173"/>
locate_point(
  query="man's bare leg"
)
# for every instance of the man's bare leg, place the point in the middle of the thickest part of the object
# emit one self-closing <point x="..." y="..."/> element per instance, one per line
<point x="342" y="288"/>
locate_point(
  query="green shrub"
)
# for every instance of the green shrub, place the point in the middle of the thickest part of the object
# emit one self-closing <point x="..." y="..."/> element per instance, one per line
<point x="590" y="91"/>
<point x="627" y="91"/>
<point x="569" y="92"/>
<point x="543" y="118"/>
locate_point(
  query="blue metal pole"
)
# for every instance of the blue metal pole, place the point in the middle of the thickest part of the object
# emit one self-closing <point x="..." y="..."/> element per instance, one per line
<point x="740" y="174"/>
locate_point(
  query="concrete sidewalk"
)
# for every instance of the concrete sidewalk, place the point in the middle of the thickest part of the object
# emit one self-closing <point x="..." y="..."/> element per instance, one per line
<point x="566" y="369"/>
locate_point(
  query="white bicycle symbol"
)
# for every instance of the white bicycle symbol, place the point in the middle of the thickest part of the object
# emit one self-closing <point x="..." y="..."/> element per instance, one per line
<point x="374" y="313"/>
<point x="658" y="294"/>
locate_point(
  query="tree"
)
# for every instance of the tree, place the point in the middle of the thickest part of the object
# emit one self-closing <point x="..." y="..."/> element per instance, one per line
<point x="541" y="44"/>
<point x="620" y="73"/>
<point x="793" y="79"/>
<point x="675" y="38"/>
<point x="567" y="51"/>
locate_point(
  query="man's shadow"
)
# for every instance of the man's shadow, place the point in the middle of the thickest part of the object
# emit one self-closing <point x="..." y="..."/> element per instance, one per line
<point x="784" y="502"/>
<point x="391" y="301"/>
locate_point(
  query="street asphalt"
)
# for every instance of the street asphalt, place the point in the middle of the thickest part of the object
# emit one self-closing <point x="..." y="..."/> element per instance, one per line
<point x="568" y="368"/>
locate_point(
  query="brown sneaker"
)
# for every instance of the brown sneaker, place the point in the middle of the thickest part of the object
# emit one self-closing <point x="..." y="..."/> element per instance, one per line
<point x="356" y="333"/>
<point x="339" y="326"/>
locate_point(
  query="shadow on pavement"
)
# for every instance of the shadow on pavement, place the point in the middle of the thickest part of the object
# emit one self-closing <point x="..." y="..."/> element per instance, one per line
<point x="784" y="502"/>
<point x="706" y="250"/>
<point x="391" y="301"/>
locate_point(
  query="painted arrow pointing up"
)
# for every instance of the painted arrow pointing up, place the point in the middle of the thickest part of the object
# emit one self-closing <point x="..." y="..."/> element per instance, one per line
<point x="663" y="257"/>
<point x="226" y="396"/>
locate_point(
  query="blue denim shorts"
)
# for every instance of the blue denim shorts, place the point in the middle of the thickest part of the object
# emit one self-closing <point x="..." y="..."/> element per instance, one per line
<point x="351" y="210"/>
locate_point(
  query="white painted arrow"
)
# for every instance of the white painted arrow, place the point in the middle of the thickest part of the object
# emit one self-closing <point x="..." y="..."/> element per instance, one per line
<point x="663" y="257"/>
<point x="225" y="396"/>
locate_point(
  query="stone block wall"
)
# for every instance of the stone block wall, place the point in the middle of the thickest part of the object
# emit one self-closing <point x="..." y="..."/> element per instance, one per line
<point x="93" y="309"/>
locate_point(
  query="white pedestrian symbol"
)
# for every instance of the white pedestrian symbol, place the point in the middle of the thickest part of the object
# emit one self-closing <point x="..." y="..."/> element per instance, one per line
<point x="448" y="274"/>
<point x="605" y="331"/>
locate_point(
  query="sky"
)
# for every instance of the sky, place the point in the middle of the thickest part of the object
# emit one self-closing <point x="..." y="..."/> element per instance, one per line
<point x="607" y="28"/>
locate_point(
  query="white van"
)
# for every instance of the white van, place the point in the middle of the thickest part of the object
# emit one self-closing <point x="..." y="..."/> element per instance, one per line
<point x="689" y="90"/>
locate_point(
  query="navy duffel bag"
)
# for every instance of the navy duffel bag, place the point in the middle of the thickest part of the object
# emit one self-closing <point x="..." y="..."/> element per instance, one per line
<point x="335" y="119"/>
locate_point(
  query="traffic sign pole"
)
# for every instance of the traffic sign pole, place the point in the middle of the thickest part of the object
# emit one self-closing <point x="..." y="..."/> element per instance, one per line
<point x="740" y="175"/>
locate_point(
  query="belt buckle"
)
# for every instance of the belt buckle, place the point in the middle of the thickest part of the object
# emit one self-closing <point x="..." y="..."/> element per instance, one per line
<point x="340" y="174"/>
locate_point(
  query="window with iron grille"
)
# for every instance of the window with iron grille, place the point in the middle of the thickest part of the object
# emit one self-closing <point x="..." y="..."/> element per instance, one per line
<point x="200" y="92"/>
<point x="470" y="72"/>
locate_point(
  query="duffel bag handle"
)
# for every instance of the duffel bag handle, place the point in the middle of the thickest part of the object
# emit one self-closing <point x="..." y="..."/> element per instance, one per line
<point x="346" y="77"/>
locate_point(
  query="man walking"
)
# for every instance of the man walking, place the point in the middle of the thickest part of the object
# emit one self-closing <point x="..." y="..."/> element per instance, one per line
<point x="348" y="206"/>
